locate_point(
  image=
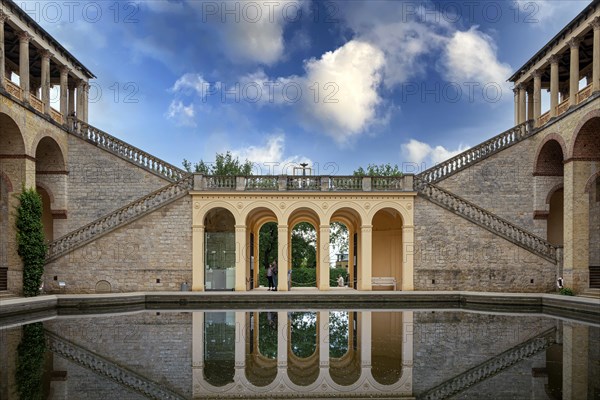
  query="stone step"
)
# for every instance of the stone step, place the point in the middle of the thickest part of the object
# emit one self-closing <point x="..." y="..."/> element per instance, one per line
<point x="591" y="293"/>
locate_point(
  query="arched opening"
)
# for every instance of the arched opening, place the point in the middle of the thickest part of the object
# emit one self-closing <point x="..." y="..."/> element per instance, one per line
<point x="346" y="242"/>
<point x="386" y="347"/>
<point x="550" y="160"/>
<point x="103" y="287"/>
<point x="219" y="348"/>
<point x="555" y="218"/>
<point x="344" y="357"/>
<point x="582" y="206"/>
<point x="261" y="348"/>
<point x="387" y="246"/>
<point x="47" y="219"/>
<point x="304" y="248"/>
<point x="220" y="252"/>
<point x="262" y="244"/>
<point x="303" y="350"/>
<point x="13" y="158"/>
<point x="51" y="180"/>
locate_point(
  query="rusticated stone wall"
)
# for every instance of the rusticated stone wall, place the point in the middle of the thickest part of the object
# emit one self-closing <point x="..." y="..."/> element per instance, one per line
<point x="100" y="182"/>
<point x="452" y="253"/>
<point x="157" y="346"/>
<point x="448" y="343"/>
<point x="153" y="253"/>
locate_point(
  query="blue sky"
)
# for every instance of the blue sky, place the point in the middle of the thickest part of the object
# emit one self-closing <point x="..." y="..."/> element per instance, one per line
<point x="339" y="84"/>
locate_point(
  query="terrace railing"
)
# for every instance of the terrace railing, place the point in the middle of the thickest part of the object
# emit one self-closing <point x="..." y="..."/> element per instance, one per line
<point x="477" y="153"/>
<point x="125" y="150"/>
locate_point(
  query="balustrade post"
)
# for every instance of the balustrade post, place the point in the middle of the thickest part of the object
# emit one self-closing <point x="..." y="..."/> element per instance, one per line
<point x="367" y="183"/>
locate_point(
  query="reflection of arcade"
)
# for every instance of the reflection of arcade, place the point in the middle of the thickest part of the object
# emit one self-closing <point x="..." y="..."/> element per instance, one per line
<point x="367" y="353"/>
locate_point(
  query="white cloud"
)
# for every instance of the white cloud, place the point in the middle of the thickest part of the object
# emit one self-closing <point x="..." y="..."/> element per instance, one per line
<point x="182" y="114"/>
<point x="194" y="82"/>
<point x="251" y="31"/>
<point x="270" y="159"/>
<point x="419" y="152"/>
<point x="470" y="56"/>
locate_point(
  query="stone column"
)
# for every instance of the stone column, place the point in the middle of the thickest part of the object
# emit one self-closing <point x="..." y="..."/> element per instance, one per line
<point x="576" y="224"/>
<point x="596" y="56"/>
<point x="408" y="240"/>
<point x="45" y="80"/>
<point x="64" y="87"/>
<point x="522" y="104"/>
<point x="574" y="71"/>
<point x="537" y="96"/>
<point x="323" y="320"/>
<point x="79" y="100"/>
<point x="575" y="361"/>
<point x="240" y="258"/>
<point x="553" y="60"/>
<point x="530" y="103"/>
<point x="324" y="257"/>
<point x="3" y="17"/>
<point x="283" y="260"/>
<point x="198" y="257"/>
<point x="71" y="99"/>
<point x="282" y="341"/>
<point x="365" y="273"/>
<point x="86" y="96"/>
<point x="24" y="39"/>
<point x="516" y="92"/>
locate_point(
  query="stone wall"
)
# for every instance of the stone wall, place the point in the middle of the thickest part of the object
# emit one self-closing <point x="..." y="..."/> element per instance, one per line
<point x="448" y="343"/>
<point x="100" y="182"/>
<point x="153" y="253"/>
<point x="157" y="346"/>
<point x="452" y="253"/>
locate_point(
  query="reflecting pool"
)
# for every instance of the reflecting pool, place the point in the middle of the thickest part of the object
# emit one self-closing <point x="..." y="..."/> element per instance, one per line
<point x="423" y="354"/>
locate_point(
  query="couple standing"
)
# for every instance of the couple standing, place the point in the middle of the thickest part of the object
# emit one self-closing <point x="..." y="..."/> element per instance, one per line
<point x="272" y="276"/>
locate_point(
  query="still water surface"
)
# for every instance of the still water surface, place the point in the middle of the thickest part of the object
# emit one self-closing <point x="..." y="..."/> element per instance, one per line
<point x="301" y="354"/>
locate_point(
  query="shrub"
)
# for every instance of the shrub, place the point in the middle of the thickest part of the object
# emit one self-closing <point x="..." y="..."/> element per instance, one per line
<point x="566" y="291"/>
<point x="30" y="240"/>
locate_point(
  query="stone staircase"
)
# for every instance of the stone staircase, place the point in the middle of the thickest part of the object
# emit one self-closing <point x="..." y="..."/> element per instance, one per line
<point x="124" y="215"/>
<point x="124" y="150"/>
<point x="478" y="153"/>
<point x="485" y="219"/>
<point x="491" y="367"/>
<point x="109" y="369"/>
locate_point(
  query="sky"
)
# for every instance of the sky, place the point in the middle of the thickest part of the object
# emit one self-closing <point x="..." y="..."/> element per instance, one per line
<point x="337" y="84"/>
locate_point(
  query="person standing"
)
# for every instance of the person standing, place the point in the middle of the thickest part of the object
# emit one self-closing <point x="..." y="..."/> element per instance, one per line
<point x="275" y="271"/>
<point x="270" y="276"/>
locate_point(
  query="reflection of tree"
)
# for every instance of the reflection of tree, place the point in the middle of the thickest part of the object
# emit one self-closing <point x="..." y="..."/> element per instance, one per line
<point x="219" y="356"/>
<point x="267" y="334"/>
<point x="30" y="362"/>
<point x="303" y="326"/>
<point x="338" y="333"/>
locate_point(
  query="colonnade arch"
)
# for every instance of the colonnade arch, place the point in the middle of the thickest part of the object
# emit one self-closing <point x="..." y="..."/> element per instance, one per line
<point x="248" y="213"/>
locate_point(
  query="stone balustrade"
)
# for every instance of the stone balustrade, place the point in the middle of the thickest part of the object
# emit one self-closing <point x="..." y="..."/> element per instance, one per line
<point x="115" y="219"/>
<point x="403" y="183"/>
<point x="13" y="89"/>
<point x="491" y="367"/>
<point x="56" y="115"/>
<point x="477" y="153"/>
<point x="109" y="369"/>
<point x="487" y="220"/>
<point x="36" y="104"/>
<point x="125" y="150"/>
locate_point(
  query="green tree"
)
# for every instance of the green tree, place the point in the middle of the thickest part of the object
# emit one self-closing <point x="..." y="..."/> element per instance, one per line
<point x="304" y="246"/>
<point x="31" y="245"/>
<point x="267" y="247"/>
<point x="30" y="362"/>
<point x="339" y="237"/>
<point x="379" y="170"/>
<point x="224" y="165"/>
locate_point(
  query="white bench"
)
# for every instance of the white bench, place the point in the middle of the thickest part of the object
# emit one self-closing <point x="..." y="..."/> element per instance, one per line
<point x="383" y="281"/>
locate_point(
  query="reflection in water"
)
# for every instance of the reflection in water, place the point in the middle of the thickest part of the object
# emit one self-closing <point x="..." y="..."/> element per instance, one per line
<point x="273" y="354"/>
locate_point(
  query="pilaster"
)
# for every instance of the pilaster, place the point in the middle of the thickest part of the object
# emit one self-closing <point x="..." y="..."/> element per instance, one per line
<point x="283" y="259"/>
<point x="240" y="258"/>
<point x="198" y="257"/>
<point x="324" y="257"/>
<point x="365" y="269"/>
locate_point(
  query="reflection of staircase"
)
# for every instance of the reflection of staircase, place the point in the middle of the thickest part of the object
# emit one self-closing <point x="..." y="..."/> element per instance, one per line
<point x="125" y="150"/>
<point x="108" y="369"/>
<point x="477" y="153"/>
<point x="486" y="219"/>
<point x="491" y="367"/>
<point x="124" y="215"/>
